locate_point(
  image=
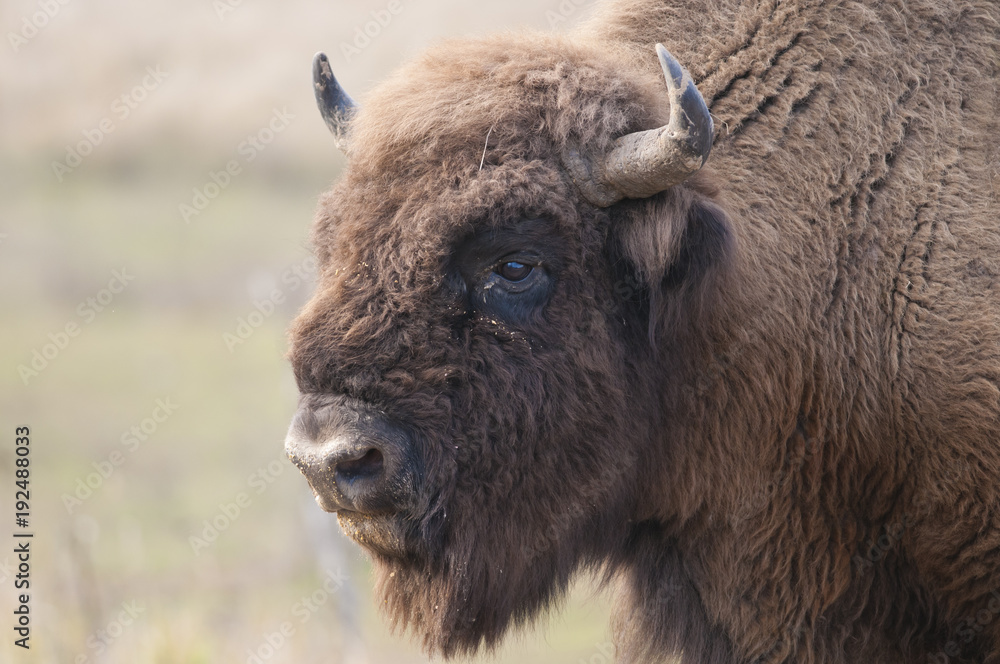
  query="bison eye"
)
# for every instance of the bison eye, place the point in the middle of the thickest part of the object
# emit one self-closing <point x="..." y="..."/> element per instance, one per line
<point x="512" y="287"/>
<point x="514" y="271"/>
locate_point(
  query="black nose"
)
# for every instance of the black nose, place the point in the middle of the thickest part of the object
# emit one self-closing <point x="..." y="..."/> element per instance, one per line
<point x="354" y="457"/>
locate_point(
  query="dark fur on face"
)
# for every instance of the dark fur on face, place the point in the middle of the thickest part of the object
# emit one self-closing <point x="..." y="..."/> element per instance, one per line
<point x="718" y="396"/>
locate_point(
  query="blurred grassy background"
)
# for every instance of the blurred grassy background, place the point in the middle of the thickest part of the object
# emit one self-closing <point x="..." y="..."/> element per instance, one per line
<point x="228" y="64"/>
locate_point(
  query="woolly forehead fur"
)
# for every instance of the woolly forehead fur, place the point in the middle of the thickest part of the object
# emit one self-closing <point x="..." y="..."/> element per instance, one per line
<point x="521" y="99"/>
<point x="535" y="91"/>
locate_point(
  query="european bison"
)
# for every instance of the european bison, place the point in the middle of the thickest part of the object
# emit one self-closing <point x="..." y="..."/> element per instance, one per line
<point x="762" y="398"/>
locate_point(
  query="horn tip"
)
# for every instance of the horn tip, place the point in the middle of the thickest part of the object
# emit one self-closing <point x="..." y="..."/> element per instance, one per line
<point x="672" y="69"/>
<point x="321" y="68"/>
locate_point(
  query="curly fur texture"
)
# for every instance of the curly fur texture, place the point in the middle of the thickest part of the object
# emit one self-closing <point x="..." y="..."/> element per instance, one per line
<point x="764" y="403"/>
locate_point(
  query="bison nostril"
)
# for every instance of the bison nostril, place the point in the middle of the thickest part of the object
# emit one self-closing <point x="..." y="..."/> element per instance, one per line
<point x="355" y="458"/>
<point x="369" y="465"/>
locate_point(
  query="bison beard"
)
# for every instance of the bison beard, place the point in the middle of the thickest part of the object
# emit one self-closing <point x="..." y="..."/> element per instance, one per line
<point x="762" y="400"/>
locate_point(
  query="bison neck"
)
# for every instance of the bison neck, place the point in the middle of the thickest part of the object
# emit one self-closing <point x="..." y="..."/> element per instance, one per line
<point x="817" y="442"/>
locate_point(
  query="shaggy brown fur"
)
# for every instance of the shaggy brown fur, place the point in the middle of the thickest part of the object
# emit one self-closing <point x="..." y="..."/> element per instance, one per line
<point x="765" y="402"/>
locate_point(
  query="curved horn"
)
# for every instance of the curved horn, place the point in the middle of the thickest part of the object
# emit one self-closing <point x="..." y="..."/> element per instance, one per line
<point x="335" y="105"/>
<point x="647" y="162"/>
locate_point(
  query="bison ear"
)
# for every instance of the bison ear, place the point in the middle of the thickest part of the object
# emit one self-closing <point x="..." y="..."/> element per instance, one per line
<point x="679" y="245"/>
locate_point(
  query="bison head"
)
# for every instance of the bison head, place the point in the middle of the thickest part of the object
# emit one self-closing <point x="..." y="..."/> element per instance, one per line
<point x="508" y="269"/>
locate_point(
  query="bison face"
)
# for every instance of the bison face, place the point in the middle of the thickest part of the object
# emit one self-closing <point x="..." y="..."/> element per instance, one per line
<point x="480" y="398"/>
